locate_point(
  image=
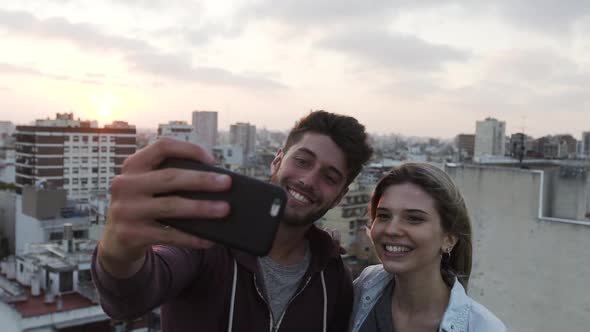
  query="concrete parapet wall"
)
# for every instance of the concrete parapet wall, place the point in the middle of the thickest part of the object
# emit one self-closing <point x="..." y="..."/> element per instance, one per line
<point x="532" y="273"/>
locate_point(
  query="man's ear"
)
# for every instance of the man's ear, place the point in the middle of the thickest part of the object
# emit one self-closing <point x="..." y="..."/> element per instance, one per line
<point x="276" y="163"/>
<point x="339" y="198"/>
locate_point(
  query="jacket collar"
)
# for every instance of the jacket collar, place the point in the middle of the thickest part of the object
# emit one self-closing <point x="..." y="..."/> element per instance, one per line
<point x="455" y="319"/>
<point x="456" y="316"/>
<point x="323" y="249"/>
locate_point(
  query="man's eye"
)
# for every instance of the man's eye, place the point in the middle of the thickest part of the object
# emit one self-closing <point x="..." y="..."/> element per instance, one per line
<point x="300" y="161"/>
<point x="331" y="180"/>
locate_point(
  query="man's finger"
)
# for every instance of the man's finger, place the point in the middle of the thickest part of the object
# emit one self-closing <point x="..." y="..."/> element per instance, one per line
<point x="154" y="154"/>
<point x="170" y="236"/>
<point x="177" y="207"/>
<point x="173" y="179"/>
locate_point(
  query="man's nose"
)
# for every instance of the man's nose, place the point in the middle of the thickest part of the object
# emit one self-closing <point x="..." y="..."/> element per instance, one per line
<point x="309" y="179"/>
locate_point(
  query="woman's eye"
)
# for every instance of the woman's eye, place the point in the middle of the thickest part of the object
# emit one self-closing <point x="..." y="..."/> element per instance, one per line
<point x="381" y="216"/>
<point x="415" y="219"/>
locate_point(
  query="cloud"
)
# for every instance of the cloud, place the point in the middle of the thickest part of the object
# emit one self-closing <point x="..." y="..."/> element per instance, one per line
<point x="393" y="50"/>
<point x="179" y="67"/>
<point x="9" y="69"/>
<point x="306" y="12"/>
<point x="140" y="55"/>
<point x="528" y="80"/>
<point x="544" y="15"/>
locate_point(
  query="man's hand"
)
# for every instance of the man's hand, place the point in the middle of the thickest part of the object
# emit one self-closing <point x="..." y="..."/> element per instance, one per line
<point x="131" y="223"/>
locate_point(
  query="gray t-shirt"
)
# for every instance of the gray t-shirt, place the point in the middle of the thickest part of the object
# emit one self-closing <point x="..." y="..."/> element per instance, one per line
<point x="280" y="282"/>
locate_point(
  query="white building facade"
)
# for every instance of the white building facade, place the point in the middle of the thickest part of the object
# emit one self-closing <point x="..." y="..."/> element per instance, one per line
<point x="490" y="138"/>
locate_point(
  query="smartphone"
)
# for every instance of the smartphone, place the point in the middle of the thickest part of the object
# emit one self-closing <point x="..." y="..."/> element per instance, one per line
<point x="256" y="210"/>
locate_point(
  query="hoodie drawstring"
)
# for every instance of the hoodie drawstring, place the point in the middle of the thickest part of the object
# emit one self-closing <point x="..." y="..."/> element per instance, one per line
<point x="325" y="301"/>
<point x="233" y="298"/>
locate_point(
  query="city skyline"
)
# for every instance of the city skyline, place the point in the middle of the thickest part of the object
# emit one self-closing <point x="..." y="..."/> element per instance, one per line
<point x="427" y="69"/>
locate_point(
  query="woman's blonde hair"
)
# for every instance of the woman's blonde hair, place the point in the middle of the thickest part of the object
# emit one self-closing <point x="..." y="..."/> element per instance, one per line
<point x="450" y="206"/>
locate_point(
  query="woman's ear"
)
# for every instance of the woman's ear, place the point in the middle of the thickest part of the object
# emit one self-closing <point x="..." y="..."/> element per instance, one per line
<point x="449" y="241"/>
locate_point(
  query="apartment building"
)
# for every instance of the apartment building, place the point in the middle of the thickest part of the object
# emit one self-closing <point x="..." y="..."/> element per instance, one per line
<point x="72" y="154"/>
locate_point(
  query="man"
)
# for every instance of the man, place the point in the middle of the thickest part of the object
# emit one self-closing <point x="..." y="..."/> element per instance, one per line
<point x="302" y="285"/>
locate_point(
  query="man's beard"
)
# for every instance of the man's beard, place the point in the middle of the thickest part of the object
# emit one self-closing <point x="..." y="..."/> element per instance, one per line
<point x="294" y="219"/>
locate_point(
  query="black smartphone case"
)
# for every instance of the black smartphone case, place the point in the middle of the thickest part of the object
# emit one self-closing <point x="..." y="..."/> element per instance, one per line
<point x="256" y="210"/>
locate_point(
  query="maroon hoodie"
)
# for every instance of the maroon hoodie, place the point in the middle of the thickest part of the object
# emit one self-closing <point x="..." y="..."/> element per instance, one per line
<point x="197" y="290"/>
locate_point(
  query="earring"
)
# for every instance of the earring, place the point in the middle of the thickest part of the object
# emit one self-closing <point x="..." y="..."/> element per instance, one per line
<point x="446" y="254"/>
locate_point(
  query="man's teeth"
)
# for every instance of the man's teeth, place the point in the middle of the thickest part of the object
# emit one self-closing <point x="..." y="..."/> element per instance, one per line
<point x="298" y="196"/>
<point x="391" y="248"/>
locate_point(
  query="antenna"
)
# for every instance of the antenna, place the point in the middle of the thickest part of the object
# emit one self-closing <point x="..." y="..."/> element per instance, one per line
<point x="522" y="142"/>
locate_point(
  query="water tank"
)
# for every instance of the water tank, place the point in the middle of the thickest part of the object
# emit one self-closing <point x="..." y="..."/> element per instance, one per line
<point x="11" y="268"/>
<point x="35" y="286"/>
<point x="60" y="303"/>
<point x="49" y="297"/>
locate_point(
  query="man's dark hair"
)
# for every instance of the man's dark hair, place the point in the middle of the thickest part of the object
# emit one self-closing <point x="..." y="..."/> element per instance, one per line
<point x="345" y="131"/>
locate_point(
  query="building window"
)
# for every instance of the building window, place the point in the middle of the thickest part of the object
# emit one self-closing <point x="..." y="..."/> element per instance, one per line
<point x="103" y="149"/>
<point x="94" y="170"/>
<point x="76" y="138"/>
<point x="66" y="138"/>
<point x="112" y="138"/>
<point x="103" y="169"/>
<point x="66" y="171"/>
<point x="112" y="149"/>
<point x="75" y="181"/>
<point x="84" y="160"/>
<point x="66" y="149"/>
<point x="94" y="180"/>
<point x="112" y="159"/>
<point x="95" y="138"/>
<point x="84" y="149"/>
<point x="76" y="149"/>
<point x="75" y="160"/>
<point x="103" y="180"/>
<point x="111" y="169"/>
<point x="75" y="170"/>
<point x="56" y="236"/>
<point x="95" y="149"/>
<point x="85" y="138"/>
<point x="103" y="139"/>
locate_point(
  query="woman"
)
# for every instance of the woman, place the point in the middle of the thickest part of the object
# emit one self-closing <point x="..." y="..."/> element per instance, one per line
<point x="421" y="232"/>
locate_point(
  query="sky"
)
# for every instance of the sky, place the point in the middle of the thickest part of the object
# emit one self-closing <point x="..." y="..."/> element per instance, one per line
<point x="419" y="68"/>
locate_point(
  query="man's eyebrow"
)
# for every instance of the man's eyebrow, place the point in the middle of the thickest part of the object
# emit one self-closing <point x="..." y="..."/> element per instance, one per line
<point x="313" y="154"/>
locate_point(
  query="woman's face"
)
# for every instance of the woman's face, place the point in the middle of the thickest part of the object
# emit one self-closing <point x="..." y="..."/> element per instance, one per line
<point x="407" y="231"/>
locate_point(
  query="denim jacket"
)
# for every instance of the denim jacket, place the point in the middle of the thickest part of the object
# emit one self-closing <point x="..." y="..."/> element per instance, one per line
<point x="463" y="314"/>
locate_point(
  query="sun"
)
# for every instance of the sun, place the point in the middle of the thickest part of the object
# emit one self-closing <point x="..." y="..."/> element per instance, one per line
<point x="104" y="107"/>
<point x="105" y="112"/>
